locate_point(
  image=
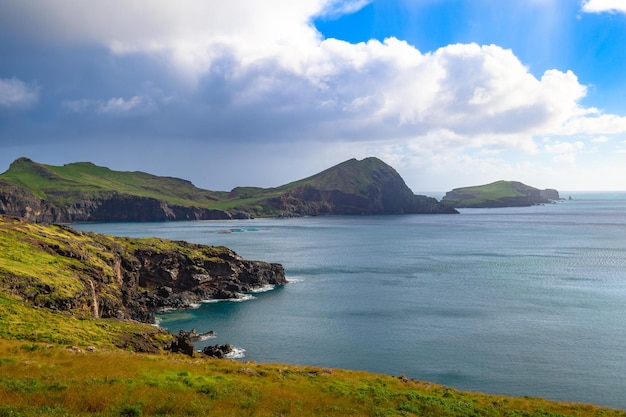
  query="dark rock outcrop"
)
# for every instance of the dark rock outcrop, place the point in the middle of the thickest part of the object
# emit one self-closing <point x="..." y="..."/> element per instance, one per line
<point x="130" y="278"/>
<point x="217" y="351"/>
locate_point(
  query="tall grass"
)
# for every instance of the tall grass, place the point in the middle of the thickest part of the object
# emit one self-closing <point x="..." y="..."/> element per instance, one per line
<point x="56" y="381"/>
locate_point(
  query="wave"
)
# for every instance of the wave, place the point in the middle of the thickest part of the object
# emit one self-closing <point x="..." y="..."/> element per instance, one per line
<point x="240" y="298"/>
<point x="263" y="288"/>
<point x="207" y="336"/>
<point x="236" y="353"/>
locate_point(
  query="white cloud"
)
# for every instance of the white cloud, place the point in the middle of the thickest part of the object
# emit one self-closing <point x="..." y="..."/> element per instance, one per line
<point x="600" y="139"/>
<point x="338" y="8"/>
<point x="265" y="60"/>
<point x="115" y="105"/>
<point x="600" y="6"/>
<point x="15" y="93"/>
<point x="122" y="105"/>
<point x="559" y="147"/>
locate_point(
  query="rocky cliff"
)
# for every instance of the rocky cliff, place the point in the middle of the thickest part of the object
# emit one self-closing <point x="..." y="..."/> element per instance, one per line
<point x="16" y="201"/>
<point x="369" y="186"/>
<point x="101" y="276"/>
<point x="82" y="192"/>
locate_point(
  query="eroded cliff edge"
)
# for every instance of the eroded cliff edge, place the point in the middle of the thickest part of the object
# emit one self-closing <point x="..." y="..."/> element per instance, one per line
<point x="100" y="276"/>
<point x="82" y="191"/>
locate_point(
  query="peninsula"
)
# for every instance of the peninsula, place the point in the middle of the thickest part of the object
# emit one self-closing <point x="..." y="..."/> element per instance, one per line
<point x="82" y="191"/>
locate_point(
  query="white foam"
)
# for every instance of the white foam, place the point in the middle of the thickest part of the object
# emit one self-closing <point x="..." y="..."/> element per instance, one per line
<point x="236" y="353"/>
<point x="207" y="336"/>
<point x="293" y="280"/>
<point x="240" y="298"/>
<point x="263" y="288"/>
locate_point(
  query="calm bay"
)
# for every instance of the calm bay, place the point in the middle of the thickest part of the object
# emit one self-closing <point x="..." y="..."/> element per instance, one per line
<point x="517" y="301"/>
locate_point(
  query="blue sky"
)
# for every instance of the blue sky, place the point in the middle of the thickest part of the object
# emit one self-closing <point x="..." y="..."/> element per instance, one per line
<point x="227" y="93"/>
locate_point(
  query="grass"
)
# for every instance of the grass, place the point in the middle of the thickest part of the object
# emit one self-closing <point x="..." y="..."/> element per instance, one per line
<point x="21" y="321"/>
<point x="68" y="363"/>
<point x="67" y="184"/>
<point x="351" y="176"/>
<point x="52" y="380"/>
<point x="48" y="263"/>
<point x="479" y="195"/>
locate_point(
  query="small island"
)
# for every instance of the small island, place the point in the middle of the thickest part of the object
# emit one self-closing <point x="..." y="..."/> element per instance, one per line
<point x="499" y="194"/>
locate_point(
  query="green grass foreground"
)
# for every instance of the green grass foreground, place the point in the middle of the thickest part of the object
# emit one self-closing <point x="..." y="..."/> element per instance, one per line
<point x="55" y="364"/>
<point x="38" y="379"/>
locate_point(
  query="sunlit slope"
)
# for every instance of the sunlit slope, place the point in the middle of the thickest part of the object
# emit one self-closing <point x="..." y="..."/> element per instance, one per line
<point x="498" y="194"/>
<point x="84" y="180"/>
<point x="59" y="359"/>
<point x="86" y="192"/>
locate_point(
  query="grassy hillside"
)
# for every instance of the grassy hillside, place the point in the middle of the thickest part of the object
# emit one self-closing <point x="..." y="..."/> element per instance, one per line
<point x="81" y="180"/>
<point x="49" y="380"/>
<point x="86" y="192"/>
<point x="352" y="176"/>
<point x="68" y="363"/>
<point x="496" y="194"/>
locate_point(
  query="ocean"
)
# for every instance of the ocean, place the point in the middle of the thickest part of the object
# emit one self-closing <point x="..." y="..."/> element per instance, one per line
<point x="524" y="301"/>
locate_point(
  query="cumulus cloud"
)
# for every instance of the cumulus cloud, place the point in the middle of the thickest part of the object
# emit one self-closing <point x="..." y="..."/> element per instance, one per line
<point x="601" y="6"/>
<point x="261" y="70"/>
<point x="15" y="93"/>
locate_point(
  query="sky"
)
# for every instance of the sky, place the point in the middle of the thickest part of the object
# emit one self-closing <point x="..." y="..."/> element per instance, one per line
<point x="451" y="93"/>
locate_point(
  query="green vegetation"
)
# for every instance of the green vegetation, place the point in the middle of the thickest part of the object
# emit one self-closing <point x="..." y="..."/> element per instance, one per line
<point x="352" y="176"/>
<point x="38" y="379"/>
<point x="68" y="363"/>
<point x="83" y="180"/>
<point x="496" y="194"/>
<point x="21" y="321"/>
<point x="367" y="186"/>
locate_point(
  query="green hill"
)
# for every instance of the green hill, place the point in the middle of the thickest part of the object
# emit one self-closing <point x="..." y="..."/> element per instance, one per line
<point x="60" y="356"/>
<point x="499" y="194"/>
<point x="84" y="180"/>
<point x="86" y="192"/>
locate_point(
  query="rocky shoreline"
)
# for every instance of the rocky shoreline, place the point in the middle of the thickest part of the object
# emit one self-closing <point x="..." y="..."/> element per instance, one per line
<point x="129" y="278"/>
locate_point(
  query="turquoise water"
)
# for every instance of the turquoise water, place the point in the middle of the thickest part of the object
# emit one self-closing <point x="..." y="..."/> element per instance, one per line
<point x="517" y="301"/>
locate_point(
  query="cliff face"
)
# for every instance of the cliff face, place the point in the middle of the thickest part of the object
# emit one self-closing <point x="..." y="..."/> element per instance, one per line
<point x="102" y="276"/>
<point x="15" y="201"/>
<point x="83" y="192"/>
<point x="354" y="187"/>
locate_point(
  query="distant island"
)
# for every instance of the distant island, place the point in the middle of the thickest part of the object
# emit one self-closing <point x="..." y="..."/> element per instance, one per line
<point x="499" y="194"/>
<point x="82" y="191"/>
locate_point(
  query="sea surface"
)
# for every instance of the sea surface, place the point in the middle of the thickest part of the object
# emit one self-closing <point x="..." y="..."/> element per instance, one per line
<point x="518" y="301"/>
